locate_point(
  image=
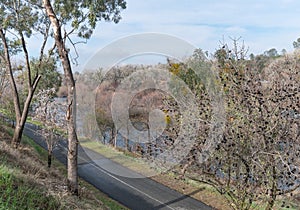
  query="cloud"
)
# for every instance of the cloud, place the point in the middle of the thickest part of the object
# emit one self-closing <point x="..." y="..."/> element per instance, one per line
<point x="236" y="30"/>
<point x="262" y="24"/>
<point x="146" y="44"/>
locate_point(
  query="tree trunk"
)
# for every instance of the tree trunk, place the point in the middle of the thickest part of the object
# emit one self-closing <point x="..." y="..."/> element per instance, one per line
<point x="13" y="87"/>
<point x="114" y="134"/>
<point x="127" y="148"/>
<point x="17" y="135"/>
<point x="20" y="116"/>
<point x="20" y="123"/>
<point x="115" y="139"/>
<point x="49" y="159"/>
<point x="273" y="195"/>
<point x="185" y="167"/>
<point x="70" y="117"/>
<point x="127" y="140"/>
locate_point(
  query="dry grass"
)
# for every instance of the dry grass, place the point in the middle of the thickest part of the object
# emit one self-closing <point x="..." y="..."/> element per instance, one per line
<point x="127" y="160"/>
<point x="201" y="192"/>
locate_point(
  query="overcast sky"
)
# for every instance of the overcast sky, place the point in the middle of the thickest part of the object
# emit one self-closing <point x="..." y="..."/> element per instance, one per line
<point x="261" y="24"/>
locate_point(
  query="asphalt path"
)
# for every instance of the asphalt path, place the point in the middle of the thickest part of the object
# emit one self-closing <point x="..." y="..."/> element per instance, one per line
<point x="139" y="193"/>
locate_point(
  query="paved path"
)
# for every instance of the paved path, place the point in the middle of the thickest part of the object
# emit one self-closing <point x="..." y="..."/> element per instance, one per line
<point x="135" y="193"/>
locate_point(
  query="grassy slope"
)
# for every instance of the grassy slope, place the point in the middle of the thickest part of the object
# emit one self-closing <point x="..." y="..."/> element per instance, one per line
<point x="26" y="182"/>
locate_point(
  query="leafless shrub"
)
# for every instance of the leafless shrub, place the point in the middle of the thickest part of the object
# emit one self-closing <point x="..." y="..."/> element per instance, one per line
<point x="51" y="113"/>
<point x="257" y="160"/>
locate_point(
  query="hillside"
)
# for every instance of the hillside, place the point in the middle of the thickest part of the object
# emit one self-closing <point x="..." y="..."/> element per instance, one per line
<point x="27" y="183"/>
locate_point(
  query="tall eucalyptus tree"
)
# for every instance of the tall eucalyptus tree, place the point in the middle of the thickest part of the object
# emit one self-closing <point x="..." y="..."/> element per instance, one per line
<point x="18" y="21"/>
<point x="80" y="17"/>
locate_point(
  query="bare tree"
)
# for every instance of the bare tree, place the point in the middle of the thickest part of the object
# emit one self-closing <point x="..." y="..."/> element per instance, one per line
<point x="256" y="161"/>
<point x="50" y="112"/>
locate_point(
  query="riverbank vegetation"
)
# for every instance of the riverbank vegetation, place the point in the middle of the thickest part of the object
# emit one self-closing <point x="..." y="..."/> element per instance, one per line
<point x="251" y="127"/>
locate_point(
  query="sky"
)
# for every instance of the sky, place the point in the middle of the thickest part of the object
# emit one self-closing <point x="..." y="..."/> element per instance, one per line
<point x="262" y="25"/>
